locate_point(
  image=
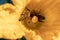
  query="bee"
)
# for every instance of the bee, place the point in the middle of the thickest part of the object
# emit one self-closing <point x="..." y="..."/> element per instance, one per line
<point x="33" y="14"/>
<point x="31" y="18"/>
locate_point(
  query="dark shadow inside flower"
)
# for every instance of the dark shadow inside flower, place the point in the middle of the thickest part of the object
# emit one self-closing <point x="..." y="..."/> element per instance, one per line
<point x="3" y="39"/>
<point x="23" y="38"/>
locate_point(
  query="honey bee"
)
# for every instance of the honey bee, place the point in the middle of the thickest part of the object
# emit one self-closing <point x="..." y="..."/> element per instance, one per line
<point x="31" y="18"/>
<point x="28" y="13"/>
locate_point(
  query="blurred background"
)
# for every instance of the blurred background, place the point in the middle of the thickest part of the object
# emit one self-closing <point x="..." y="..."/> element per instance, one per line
<point x="5" y="1"/>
